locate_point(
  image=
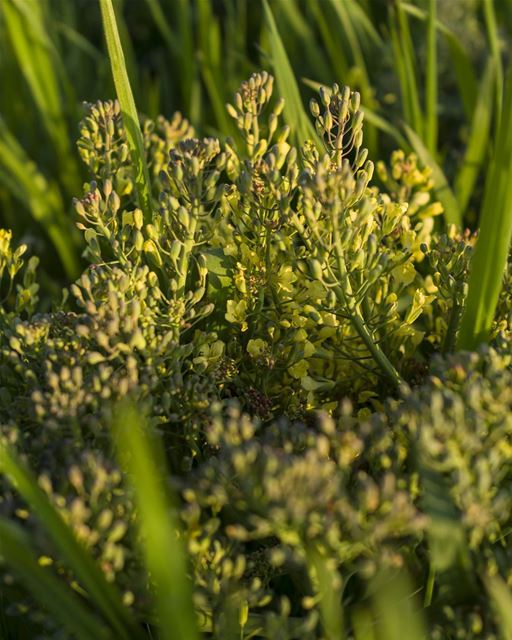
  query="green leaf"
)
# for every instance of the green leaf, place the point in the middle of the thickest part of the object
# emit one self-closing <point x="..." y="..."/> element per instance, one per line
<point x="493" y="243"/>
<point x="478" y="140"/>
<point x="104" y="595"/>
<point x="67" y="607"/>
<point x="40" y="65"/>
<point x="442" y="189"/>
<point x="162" y="545"/>
<point x="42" y="198"/>
<point x="501" y="597"/>
<point x="431" y="108"/>
<point x="463" y="68"/>
<point x="294" y="113"/>
<point x="403" y="53"/>
<point x="128" y="110"/>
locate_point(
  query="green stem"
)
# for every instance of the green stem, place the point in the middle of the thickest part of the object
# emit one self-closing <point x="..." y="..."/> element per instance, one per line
<point x="357" y="319"/>
<point x="188" y="245"/>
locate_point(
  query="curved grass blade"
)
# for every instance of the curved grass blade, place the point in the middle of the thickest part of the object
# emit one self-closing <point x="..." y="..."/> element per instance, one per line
<point x="39" y="63"/>
<point x="294" y="112"/>
<point x="128" y="110"/>
<point x="16" y="549"/>
<point x="163" y="549"/>
<point x="492" y="247"/>
<point x="478" y="140"/>
<point x="42" y="198"/>
<point x="104" y="595"/>
<point x="442" y="189"/>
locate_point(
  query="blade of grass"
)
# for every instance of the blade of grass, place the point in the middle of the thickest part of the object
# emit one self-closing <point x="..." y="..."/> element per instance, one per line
<point x="493" y="37"/>
<point x="104" y="594"/>
<point x="294" y="112"/>
<point x="405" y="50"/>
<point x="211" y="54"/>
<point x="164" y="551"/>
<point x="478" y="140"/>
<point x="326" y="583"/>
<point x="492" y="247"/>
<point x="501" y="598"/>
<point x="39" y="62"/>
<point x="397" y="613"/>
<point x="431" y="81"/>
<point x="128" y="110"/>
<point x="42" y="198"/>
<point x="442" y="189"/>
<point x="343" y="13"/>
<point x="65" y="606"/>
<point x="463" y="68"/>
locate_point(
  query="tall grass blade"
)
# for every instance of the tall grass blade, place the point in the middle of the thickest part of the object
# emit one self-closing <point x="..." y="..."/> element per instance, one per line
<point x="404" y="60"/>
<point x="104" y="595"/>
<point x="294" y="112"/>
<point x="129" y="112"/>
<point x="163" y="549"/>
<point x="478" y="140"/>
<point x="442" y="189"/>
<point x="211" y="68"/>
<point x="398" y="614"/>
<point x="327" y="584"/>
<point x="492" y="247"/>
<point x="42" y="198"/>
<point x="463" y="68"/>
<point x="501" y="598"/>
<point x="494" y="44"/>
<point x="39" y="62"/>
<point x="55" y="596"/>
<point x="431" y="81"/>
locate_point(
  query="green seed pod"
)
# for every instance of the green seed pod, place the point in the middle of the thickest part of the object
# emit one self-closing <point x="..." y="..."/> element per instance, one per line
<point x="314" y="107"/>
<point x="279" y="106"/>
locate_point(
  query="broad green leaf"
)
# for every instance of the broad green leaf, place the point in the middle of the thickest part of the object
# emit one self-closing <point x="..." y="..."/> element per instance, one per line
<point x="162" y="545"/>
<point x="442" y="189"/>
<point x="294" y="113"/>
<point x="128" y="110"/>
<point x="67" y="607"/>
<point x="493" y="243"/>
<point x="103" y="594"/>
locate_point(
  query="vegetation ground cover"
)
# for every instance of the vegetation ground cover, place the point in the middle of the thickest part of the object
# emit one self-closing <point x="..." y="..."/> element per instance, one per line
<point x="273" y="399"/>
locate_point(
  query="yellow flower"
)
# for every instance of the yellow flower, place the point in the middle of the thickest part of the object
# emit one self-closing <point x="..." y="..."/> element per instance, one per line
<point x="236" y="313"/>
